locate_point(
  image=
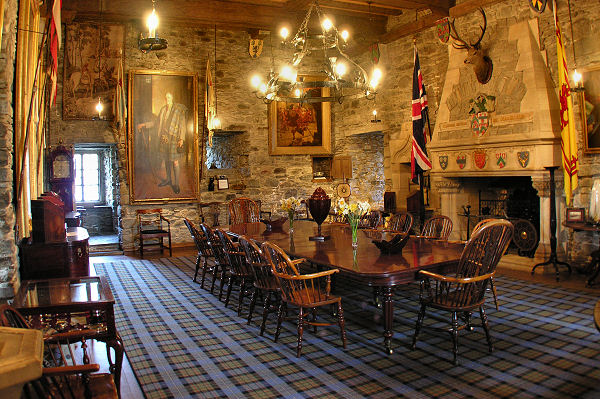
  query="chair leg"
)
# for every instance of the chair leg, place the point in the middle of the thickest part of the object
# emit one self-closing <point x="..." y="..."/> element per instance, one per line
<point x="241" y="296"/>
<point x="468" y="325"/>
<point x="223" y="278"/>
<point x="252" y="304"/>
<point x="215" y="271"/>
<point x="454" y="334"/>
<point x="420" y="318"/>
<point x="170" y="246"/>
<point x="230" y="283"/>
<point x="493" y="286"/>
<point x="141" y="248"/>
<point x="282" y="310"/>
<point x="198" y="259"/>
<point x="300" y="331"/>
<point x="266" y="307"/>
<point x="342" y="323"/>
<point x="314" y="319"/>
<point x="486" y="328"/>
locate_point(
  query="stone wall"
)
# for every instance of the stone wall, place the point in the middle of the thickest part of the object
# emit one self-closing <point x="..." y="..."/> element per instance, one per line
<point x="9" y="276"/>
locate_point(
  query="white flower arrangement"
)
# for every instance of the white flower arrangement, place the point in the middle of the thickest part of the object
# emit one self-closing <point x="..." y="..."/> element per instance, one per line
<point x="290" y="205"/>
<point x="353" y="211"/>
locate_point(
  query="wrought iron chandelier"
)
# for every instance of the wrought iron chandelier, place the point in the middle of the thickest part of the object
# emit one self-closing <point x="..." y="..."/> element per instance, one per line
<point x="342" y="77"/>
<point x="152" y="41"/>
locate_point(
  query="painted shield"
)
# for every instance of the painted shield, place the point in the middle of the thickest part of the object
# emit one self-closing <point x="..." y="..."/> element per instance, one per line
<point x="443" y="161"/>
<point x="501" y="159"/>
<point x="480" y="158"/>
<point x="461" y="161"/>
<point x="523" y="157"/>
<point x="480" y="123"/>
<point x="443" y="30"/>
<point x="255" y="47"/>
<point x="537" y="5"/>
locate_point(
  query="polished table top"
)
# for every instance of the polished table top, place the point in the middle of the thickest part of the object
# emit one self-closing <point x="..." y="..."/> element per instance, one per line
<point x="367" y="263"/>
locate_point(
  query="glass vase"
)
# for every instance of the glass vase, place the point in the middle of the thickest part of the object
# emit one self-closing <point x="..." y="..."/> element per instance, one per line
<point x="291" y="219"/>
<point x="354" y="227"/>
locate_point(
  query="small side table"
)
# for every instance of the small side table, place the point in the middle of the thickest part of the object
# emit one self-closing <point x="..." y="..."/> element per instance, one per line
<point x="594" y="267"/>
<point x="76" y="303"/>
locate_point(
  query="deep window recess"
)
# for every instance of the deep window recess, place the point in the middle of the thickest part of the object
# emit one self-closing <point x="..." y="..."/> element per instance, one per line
<point x="88" y="187"/>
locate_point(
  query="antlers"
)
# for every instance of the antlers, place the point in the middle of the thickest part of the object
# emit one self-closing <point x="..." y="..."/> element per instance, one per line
<point x="459" y="43"/>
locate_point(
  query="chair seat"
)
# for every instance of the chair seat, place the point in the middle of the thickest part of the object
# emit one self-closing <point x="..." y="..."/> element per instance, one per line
<point x="308" y="297"/>
<point x="449" y="301"/>
<point x="269" y="285"/>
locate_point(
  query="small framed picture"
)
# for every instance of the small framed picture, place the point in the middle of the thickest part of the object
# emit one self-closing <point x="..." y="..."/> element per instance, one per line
<point x="222" y="183"/>
<point x="575" y="215"/>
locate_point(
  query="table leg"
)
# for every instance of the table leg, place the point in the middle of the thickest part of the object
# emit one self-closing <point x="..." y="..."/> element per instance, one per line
<point x="593" y="268"/>
<point x="115" y="368"/>
<point x="388" y="318"/>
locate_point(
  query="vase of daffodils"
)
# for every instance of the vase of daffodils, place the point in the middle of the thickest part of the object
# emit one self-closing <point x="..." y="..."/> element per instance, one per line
<point x="353" y="212"/>
<point x="290" y="205"/>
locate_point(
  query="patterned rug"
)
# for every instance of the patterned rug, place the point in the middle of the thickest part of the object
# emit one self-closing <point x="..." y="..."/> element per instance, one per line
<point x="183" y="342"/>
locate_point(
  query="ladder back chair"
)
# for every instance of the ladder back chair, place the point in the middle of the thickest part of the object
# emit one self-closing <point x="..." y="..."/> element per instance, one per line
<point x="243" y="210"/>
<point x="265" y="283"/>
<point x="220" y="258"/>
<point x="401" y="222"/>
<point x="438" y="227"/>
<point x="307" y="292"/>
<point x="153" y="228"/>
<point x="62" y="376"/>
<point x="239" y="272"/>
<point x="465" y="291"/>
<point x="370" y="220"/>
<point x="204" y="251"/>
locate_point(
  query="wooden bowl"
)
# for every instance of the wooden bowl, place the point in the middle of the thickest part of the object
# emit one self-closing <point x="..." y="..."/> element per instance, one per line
<point x="392" y="246"/>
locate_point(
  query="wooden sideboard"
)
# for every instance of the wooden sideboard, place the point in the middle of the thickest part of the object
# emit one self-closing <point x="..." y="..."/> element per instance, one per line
<point x="68" y="258"/>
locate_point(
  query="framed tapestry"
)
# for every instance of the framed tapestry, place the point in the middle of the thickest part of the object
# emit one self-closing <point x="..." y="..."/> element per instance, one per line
<point x="589" y="101"/>
<point x="92" y="55"/>
<point x="163" y="136"/>
<point x="298" y="129"/>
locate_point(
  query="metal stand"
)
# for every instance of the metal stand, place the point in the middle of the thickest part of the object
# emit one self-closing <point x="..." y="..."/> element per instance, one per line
<point x="553" y="258"/>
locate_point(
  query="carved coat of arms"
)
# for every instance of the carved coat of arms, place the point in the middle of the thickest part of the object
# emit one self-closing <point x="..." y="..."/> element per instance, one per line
<point x="443" y="30"/>
<point x="461" y="161"/>
<point x="523" y="157"/>
<point x="501" y="159"/>
<point x="537" y="5"/>
<point x="480" y="120"/>
<point x="255" y="47"/>
<point x="480" y="158"/>
<point x="443" y="161"/>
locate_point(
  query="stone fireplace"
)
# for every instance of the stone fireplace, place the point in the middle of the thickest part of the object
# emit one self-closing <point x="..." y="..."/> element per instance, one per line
<point x="504" y="131"/>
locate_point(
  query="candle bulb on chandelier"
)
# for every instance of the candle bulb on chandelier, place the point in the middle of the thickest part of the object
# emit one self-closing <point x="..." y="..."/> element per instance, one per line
<point x="152" y="24"/>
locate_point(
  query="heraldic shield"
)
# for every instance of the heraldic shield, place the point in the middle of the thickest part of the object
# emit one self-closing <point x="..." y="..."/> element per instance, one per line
<point x="255" y="47"/>
<point x="501" y="159"/>
<point x="523" y="157"/>
<point x="480" y="158"/>
<point x="461" y="161"/>
<point x="443" y="161"/>
<point x="443" y="30"/>
<point x="480" y="123"/>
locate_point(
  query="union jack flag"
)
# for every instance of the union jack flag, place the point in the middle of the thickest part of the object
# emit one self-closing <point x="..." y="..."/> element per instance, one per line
<point x="419" y="161"/>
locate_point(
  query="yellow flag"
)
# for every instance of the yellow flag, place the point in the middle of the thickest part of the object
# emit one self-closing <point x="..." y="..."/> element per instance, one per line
<point x="209" y="103"/>
<point x="567" y="119"/>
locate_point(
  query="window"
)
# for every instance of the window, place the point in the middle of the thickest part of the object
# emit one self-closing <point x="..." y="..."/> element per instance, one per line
<point x="87" y="176"/>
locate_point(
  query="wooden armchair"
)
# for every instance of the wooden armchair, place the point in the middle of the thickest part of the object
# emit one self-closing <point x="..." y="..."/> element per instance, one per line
<point x="152" y="230"/>
<point x="221" y="261"/>
<point x="370" y="220"/>
<point x="238" y="272"/>
<point x="243" y="210"/>
<point x="203" y="248"/>
<point x="309" y="291"/>
<point x="61" y="376"/>
<point x="265" y="283"/>
<point x="401" y="222"/>
<point x="465" y="292"/>
<point x="438" y="227"/>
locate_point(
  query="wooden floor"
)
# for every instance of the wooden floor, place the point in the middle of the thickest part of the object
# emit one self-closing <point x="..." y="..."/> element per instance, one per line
<point x="130" y="388"/>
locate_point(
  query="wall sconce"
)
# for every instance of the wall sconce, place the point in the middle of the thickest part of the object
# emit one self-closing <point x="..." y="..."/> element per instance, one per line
<point x="152" y="41"/>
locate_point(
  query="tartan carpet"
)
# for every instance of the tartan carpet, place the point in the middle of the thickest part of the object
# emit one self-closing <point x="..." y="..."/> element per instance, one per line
<point x="182" y="342"/>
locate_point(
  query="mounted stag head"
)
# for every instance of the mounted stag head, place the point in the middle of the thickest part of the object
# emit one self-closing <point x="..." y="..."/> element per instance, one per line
<point x="482" y="64"/>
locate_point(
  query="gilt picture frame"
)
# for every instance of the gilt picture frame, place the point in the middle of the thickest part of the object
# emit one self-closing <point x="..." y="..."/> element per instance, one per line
<point x="589" y="101"/>
<point x="300" y="129"/>
<point x="163" y="136"/>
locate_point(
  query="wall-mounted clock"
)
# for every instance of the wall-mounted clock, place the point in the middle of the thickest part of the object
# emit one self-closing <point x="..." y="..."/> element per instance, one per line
<point x="62" y="174"/>
<point x="343" y="190"/>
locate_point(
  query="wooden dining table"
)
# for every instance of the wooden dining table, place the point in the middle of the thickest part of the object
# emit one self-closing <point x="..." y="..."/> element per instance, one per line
<point x="365" y="265"/>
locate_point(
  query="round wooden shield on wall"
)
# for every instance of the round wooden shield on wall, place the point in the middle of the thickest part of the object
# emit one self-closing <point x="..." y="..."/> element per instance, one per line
<point x="537" y="5"/>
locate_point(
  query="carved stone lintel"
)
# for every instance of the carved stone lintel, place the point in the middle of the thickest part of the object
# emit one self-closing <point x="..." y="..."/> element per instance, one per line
<point x="447" y="185"/>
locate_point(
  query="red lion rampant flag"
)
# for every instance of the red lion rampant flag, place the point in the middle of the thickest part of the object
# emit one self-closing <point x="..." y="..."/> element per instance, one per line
<point x="55" y="40"/>
<point x="567" y="118"/>
<point x="419" y="161"/>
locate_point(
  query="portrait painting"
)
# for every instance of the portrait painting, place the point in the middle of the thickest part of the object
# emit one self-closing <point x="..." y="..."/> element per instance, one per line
<point x="590" y="109"/>
<point x="92" y="56"/>
<point x="163" y="140"/>
<point x="300" y="128"/>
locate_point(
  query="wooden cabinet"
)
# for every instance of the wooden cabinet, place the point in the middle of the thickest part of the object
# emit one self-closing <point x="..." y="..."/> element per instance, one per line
<point x="330" y="168"/>
<point x="341" y="167"/>
<point x="62" y="175"/>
